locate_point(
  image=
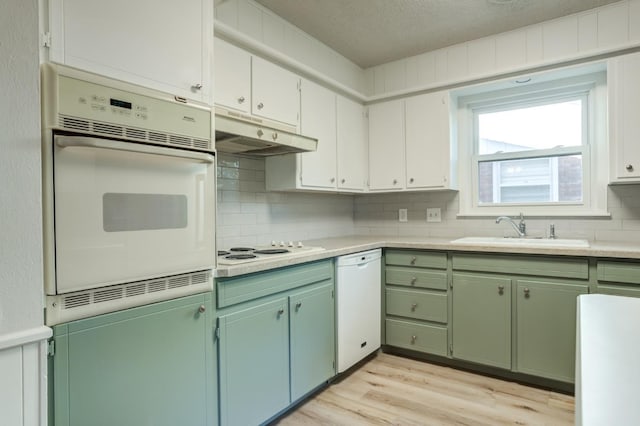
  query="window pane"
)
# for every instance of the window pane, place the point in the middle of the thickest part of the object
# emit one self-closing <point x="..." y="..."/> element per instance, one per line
<point x="538" y="127"/>
<point x="531" y="180"/>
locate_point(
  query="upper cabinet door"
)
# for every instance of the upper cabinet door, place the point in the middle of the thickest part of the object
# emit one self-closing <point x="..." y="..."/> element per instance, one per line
<point x="427" y="141"/>
<point x="232" y="76"/>
<point x="386" y="146"/>
<point x="624" y="103"/>
<point x="163" y="45"/>
<point x="352" y="145"/>
<point x="275" y="93"/>
<point x="318" y="120"/>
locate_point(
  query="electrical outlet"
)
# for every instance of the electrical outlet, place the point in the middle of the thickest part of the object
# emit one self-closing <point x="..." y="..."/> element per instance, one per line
<point x="402" y="215"/>
<point x="433" y="215"/>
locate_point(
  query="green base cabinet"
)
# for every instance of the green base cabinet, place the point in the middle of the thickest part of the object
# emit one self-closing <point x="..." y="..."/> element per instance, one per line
<point x="274" y="346"/>
<point x="618" y="277"/>
<point x="546" y="327"/>
<point x="254" y="363"/>
<point x="416" y="300"/>
<point x="506" y="319"/>
<point x="150" y="365"/>
<point x="482" y="319"/>
<point x="312" y="346"/>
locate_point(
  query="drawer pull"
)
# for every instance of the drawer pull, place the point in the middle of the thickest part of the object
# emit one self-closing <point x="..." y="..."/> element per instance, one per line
<point x="413" y="260"/>
<point x="413" y="307"/>
<point x="526" y="293"/>
<point x="413" y="339"/>
<point x="500" y="290"/>
<point x="298" y="306"/>
<point x="280" y="312"/>
<point x="414" y="280"/>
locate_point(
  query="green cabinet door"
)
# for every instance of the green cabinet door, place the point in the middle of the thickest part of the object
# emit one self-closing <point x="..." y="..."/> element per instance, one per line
<point x="151" y="365"/>
<point x="254" y="363"/>
<point x="481" y="322"/>
<point x="546" y="328"/>
<point x="312" y="338"/>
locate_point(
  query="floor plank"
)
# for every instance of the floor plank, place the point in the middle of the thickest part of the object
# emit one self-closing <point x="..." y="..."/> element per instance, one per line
<point x="393" y="390"/>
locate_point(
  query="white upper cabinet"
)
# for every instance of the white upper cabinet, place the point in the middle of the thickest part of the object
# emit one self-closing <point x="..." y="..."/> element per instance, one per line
<point x="428" y="144"/>
<point x="624" y="124"/>
<point x="352" y="145"/>
<point x="386" y="146"/>
<point x="164" y="45"/>
<point x="251" y="85"/>
<point x="339" y="163"/>
<point x="232" y="76"/>
<point x="318" y="120"/>
<point x="274" y="91"/>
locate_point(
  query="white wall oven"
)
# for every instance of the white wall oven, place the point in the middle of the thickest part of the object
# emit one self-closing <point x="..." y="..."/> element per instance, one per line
<point x="129" y="195"/>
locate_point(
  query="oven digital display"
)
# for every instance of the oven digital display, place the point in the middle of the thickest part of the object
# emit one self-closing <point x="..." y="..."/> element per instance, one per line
<point x="119" y="103"/>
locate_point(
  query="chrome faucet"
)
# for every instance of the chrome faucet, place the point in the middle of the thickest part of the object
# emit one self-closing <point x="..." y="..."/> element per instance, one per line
<point x="520" y="228"/>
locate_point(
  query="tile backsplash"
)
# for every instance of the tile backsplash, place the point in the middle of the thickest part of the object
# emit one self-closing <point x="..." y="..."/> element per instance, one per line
<point x="249" y="215"/>
<point x="377" y="214"/>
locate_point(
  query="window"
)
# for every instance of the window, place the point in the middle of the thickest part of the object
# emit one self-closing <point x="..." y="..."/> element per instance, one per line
<point x="536" y="148"/>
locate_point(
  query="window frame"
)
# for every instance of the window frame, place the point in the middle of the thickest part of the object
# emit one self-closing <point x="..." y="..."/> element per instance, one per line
<point x="587" y="83"/>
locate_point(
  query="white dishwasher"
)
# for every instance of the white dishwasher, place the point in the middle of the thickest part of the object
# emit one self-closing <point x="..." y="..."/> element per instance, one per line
<point x="358" y="306"/>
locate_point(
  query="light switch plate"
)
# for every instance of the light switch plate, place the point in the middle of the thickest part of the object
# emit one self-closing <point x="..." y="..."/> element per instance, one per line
<point x="433" y="215"/>
<point x="402" y="215"/>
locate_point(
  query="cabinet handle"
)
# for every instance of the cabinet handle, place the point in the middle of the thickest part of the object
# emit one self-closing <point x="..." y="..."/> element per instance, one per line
<point x="202" y="309"/>
<point x="411" y="180"/>
<point x="413" y="307"/>
<point x="413" y="339"/>
<point x="500" y="290"/>
<point x="526" y="293"/>
<point x="413" y="260"/>
<point x="343" y="180"/>
<point x="395" y="181"/>
<point x="280" y="312"/>
<point x="260" y="105"/>
<point x="241" y="100"/>
<point x="298" y="305"/>
<point x="274" y="135"/>
<point x="629" y="167"/>
<point x="333" y="179"/>
<point x="413" y="280"/>
<point x="197" y="86"/>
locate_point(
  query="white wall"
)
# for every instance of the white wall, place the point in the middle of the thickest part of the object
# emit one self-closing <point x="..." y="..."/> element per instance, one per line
<point x="21" y="294"/>
<point x="248" y="215"/>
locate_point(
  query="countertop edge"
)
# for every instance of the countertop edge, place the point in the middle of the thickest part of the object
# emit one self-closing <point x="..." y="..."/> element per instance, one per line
<point x="335" y="247"/>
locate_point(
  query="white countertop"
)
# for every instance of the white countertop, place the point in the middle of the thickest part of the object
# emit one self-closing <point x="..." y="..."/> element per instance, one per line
<point x="608" y="361"/>
<point x="353" y="244"/>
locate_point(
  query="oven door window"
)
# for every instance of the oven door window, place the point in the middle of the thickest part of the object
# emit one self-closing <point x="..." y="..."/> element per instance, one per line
<point x="137" y="212"/>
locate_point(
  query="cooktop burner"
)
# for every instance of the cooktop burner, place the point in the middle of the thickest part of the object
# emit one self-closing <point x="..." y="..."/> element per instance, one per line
<point x="271" y="251"/>
<point x="240" y="256"/>
<point x="223" y="253"/>
<point x="241" y="249"/>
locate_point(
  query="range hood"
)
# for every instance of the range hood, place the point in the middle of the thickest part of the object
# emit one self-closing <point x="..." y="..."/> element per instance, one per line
<point x="244" y="134"/>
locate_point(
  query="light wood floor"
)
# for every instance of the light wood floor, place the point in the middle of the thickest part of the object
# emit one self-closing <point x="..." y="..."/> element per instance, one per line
<point x="399" y="391"/>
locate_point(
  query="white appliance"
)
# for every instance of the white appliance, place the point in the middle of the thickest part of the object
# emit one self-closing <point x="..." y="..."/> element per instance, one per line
<point x="358" y="306"/>
<point x="240" y="255"/>
<point x="129" y="195"/>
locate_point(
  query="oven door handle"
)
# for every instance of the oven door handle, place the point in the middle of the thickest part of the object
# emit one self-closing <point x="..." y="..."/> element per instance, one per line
<point x="87" y="142"/>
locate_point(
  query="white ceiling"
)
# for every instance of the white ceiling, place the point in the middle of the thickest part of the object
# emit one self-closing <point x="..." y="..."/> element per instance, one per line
<point x="372" y="32"/>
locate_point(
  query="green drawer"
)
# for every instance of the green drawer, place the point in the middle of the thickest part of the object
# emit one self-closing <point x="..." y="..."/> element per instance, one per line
<point x="416" y="304"/>
<point x="415" y="277"/>
<point x="629" y="291"/>
<point x="418" y="337"/>
<point x="231" y="291"/>
<point x="420" y="259"/>
<point x="523" y="265"/>
<point x="619" y="272"/>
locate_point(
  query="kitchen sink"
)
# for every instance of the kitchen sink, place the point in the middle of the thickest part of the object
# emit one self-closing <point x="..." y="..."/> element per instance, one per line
<point x="522" y="242"/>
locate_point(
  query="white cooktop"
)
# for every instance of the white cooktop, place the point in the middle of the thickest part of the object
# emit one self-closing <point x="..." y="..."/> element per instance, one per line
<point x="293" y="250"/>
